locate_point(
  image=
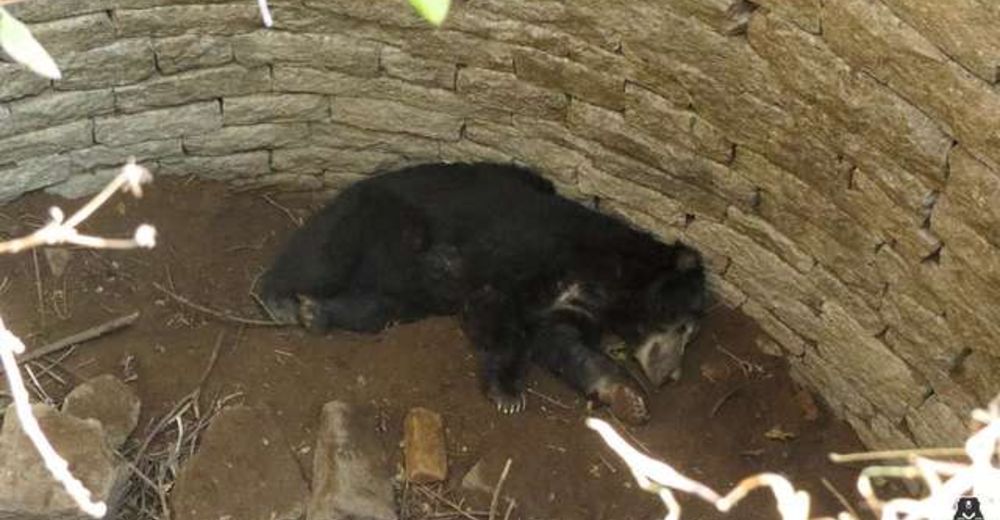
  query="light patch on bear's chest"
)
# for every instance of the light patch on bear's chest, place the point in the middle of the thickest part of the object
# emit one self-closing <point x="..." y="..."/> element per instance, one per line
<point x="573" y="298"/>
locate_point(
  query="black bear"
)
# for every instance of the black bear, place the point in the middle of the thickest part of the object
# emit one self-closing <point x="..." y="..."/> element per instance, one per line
<point x="968" y="509"/>
<point x="532" y="275"/>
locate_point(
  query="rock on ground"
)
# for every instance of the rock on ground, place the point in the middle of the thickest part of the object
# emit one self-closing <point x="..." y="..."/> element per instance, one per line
<point x="27" y="489"/>
<point x="351" y="473"/>
<point x="243" y="470"/>
<point x="426" y="455"/>
<point x="108" y="400"/>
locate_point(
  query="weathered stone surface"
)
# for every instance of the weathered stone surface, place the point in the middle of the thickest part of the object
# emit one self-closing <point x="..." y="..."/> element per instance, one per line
<point x="333" y="135"/>
<point x="431" y="73"/>
<point x="564" y="75"/>
<point x="44" y="11"/>
<point x="807" y="14"/>
<point x="333" y="51"/>
<point x="658" y="117"/>
<point x="225" y="167"/>
<point x="852" y="106"/>
<point x="665" y="209"/>
<point x="159" y="124"/>
<point x="973" y="195"/>
<point x="83" y="184"/>
<point x="232" y="139"/>
<point x="196" y="85"/>
<point x="503" y="91"/>
<point x="790" y="342"/>
<point x="715" y="181"/>
<point x="274" y="108"/>
<point x="351" y="475"/>
<point x="19" y="81"/>
<point x="43" y="142"/>
<point x="558" y="161"/>
<point x="110" y="402"/>
<point x="727" y="293"/>
<point x="243" y="469"/>
<point x="121" y="63"/>
<point x="298" y="79"/>
<point x="78" y="33"/>
<point x="965" y="29"/>
<point x="191" y="51"/>
<point x="32" y="174"/>
<point x="392" y="116"/>
<point x="53" y="108"/>
<point x="465" y="150"/>
<point x="844" y="397"/>
<point x="115" y="156"/>
<point x="426" y="455"/>
<point x="981" y="373"/>
<point x="870" y="37"/>
<point x="282" y="181"/>
<point x="933" y="423"/>
<point x="880" y="434"/>
<point x="174" y="20"/>
<point x="314" y="160"/>
<point x="766" y="235"/>
<point x="27" y="489"/>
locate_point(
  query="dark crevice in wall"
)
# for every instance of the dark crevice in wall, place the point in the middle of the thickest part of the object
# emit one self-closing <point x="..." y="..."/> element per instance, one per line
<point x="934" y="258"/>
<point x="956" y="364"/>
<point x="927" y="208"/>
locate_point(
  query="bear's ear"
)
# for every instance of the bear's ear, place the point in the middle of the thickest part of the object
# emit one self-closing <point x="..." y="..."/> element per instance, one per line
<point x="687" y="260"/>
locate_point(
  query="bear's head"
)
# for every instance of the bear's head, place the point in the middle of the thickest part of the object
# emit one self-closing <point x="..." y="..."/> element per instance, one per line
<point x="672" y="307"/>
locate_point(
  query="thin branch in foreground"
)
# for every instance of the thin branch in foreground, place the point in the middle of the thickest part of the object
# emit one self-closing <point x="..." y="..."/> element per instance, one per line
<point x="218" y="314"/>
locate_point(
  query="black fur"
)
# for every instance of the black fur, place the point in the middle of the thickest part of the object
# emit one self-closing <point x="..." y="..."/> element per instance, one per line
<point x="496" y="245"/>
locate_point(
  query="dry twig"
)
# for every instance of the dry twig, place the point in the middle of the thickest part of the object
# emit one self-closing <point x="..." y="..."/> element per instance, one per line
<point x="218" y="314"/>
<point x="80" y="337"/>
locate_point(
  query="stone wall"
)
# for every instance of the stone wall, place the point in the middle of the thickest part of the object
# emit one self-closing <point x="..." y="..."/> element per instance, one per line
<point x="837" y="161"/>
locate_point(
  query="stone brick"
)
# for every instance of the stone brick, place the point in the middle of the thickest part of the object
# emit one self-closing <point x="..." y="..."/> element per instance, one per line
<point x="231" y="139"/>
<point x="175" y="20"/>
<point x="315" y="160"/>
<point x="717" y="181"/>
<point x="726" y="293"/>
<point x="75" y="34"/>
<point x="564" y="75"/>
<point x="32" y="174"/>
<point x="965" y="30"/>
<point x="333" y="51"/>
<point x="769" y="237"/>
<point x="274" y="108"/>
<point x="981" y="373"/>
<point x="503" y="91"/>
<point x="196" y="85"/>
<point x="595" y="182"/>
<point x="191" y="51"/>
<point x="791" y="343"/>
<point x="841" y="394"/>
<point x="48" y="141"/>
<point x="45" y="11"/>
<point x="332" y="135"/>
<point x="84" y="184"/>
<point x="933" y="423"/>
<point x="870" y="37"/>
<point x="430" y="73"/>
<point x="465" y="150"/>
<point x="351" y="476"/>
<point x="121" y="63"/>
<point x="861" y="306"/>
<point x="19" y="81"/>
<point x="226" y="167"/>
<point x="807" y="14"/>
<point x="392" y="116"/>
<point x="659" y="118"/>
<point x="879" y="433"/>
<point x="115" y="156"/>
<point x="558" y="161"/>
<point x="197" y="118"/>
<point x="297" y="79"/>
<point x="973" y="195"/>
<point x="852" y="109"/>
<point x="53" y="108"/>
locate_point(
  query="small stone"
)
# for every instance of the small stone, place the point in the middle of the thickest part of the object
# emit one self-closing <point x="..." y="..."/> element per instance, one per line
<point x="27" y="489"/>
<point x="108" y="400"/>
<point x="475" y="480"/>
<point x="236" y="474"/>
<point x="426" y="455"/>
<point x="352" y="477"/>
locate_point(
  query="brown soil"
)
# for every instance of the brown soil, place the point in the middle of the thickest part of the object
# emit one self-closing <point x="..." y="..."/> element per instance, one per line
<point x="212" y="245"/>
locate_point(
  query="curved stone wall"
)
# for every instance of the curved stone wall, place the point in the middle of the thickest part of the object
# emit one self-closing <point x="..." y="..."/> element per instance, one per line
<point x="837" y="161"/>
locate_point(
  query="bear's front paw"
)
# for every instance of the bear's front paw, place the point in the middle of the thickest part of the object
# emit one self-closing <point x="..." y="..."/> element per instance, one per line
<point x="627" y="403"/>
<point x="309" y="314"/>
<point x="508" y="403"/>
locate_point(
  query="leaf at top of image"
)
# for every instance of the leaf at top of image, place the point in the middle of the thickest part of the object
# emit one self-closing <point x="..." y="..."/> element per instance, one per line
<point x="17" y="41"/>
<point x="434" y="11"/>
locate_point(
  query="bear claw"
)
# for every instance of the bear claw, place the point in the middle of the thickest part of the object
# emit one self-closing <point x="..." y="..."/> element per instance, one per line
<point x="508" y="404"/>
<point x="307" y="312"/>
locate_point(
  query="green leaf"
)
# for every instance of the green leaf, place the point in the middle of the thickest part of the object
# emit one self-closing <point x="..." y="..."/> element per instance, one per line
<point x="17" y="41"/>
<point x="434" y="11"/>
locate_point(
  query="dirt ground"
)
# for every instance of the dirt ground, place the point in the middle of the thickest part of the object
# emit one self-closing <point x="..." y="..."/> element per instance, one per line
<point x="213" y="243"/>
